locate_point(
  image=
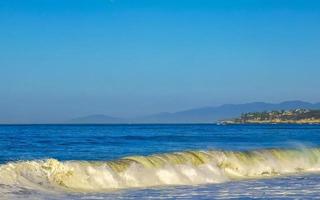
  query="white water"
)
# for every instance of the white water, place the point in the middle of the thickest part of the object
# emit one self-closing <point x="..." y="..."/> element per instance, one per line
<point x="184" y="168"/>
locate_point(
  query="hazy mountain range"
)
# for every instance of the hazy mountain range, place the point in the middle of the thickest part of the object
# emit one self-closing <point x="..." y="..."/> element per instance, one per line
<point x="197" y="115"/>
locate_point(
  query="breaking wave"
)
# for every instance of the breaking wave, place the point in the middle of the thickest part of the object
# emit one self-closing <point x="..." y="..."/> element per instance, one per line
<point x="180" y="168"/>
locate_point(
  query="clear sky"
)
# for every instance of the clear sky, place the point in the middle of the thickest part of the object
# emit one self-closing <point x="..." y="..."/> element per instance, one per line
<point x="67" y="58"/>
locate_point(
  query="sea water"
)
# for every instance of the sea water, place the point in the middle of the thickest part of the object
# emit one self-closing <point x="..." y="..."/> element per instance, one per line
<point x="159" y="161"/>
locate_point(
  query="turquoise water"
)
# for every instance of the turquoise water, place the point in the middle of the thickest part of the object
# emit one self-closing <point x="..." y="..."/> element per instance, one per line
<point x="159" y="161"/>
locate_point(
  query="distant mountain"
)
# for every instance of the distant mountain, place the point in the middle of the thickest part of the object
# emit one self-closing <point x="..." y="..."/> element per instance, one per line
<point x="202" y="115"/>
<point x="96" y="119"/>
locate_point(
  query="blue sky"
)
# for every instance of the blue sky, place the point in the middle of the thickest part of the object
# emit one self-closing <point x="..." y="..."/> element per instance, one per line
<point x="65" y="58"/>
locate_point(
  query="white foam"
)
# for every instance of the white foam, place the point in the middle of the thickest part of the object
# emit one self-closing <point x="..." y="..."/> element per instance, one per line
<point x="184" y="168"/>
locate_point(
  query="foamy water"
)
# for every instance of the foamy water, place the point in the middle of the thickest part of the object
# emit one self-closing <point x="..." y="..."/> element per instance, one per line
<point x="181" y="168"/>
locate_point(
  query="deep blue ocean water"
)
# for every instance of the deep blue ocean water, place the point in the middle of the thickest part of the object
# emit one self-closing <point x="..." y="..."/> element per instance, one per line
<point x="65" y="143"/>
<point x="105" y="142"/>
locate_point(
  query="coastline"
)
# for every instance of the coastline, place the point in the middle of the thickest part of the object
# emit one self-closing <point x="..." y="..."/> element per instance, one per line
<point x="300" y="122"/>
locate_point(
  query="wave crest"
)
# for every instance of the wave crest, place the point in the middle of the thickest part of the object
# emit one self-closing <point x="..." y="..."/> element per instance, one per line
<point x="180" y="168"/>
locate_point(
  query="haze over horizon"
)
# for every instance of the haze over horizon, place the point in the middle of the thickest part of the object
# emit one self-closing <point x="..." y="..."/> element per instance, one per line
<point x="62" y="59"/>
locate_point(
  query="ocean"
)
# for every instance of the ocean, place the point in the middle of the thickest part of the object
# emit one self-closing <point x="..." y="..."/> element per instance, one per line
<point x="159" y="161"/>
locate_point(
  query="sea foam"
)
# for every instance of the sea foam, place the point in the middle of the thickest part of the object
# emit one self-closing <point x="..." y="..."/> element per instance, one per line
<point x="180" y="168"/>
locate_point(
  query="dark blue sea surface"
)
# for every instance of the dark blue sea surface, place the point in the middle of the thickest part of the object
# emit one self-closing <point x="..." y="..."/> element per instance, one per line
<point x="73" y="161"/>
<point x="105" y="142"/>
